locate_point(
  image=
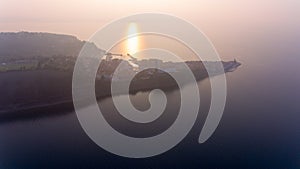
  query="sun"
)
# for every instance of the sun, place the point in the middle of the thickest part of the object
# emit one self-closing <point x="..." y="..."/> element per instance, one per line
<point x="133" y="39"/>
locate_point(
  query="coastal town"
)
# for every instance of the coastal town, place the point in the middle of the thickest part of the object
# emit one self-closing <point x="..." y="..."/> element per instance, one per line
<point x="37" y="70"/>
<point x="109" y="64"/>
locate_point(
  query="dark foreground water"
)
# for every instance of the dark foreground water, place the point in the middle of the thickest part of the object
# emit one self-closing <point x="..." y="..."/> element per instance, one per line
<point x="259" y="129"/>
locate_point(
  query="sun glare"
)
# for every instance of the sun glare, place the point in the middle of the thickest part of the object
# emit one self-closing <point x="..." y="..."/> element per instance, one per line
<point x="133" y="40"/>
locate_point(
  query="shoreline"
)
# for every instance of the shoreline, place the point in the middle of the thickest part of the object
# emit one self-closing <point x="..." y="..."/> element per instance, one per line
<point x="64" y="102"/>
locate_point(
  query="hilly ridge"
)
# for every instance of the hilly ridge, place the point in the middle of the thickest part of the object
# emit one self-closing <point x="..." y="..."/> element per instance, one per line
<point x="31" y="44"/>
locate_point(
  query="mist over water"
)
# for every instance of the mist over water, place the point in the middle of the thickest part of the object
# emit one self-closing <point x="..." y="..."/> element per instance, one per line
<point x="259" y="128"/>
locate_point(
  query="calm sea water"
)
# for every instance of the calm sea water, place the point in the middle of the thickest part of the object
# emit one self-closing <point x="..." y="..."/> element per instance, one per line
<point x="259" y="129"/>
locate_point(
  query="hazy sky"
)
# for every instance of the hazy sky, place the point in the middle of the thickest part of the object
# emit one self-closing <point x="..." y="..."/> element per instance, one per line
<point x="83" y="17"/>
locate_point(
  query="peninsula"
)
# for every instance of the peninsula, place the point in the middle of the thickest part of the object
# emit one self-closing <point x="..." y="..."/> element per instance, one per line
<point x="36" y="72"/>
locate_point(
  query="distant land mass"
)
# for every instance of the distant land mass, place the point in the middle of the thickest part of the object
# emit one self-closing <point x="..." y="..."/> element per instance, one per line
<point x="36" y="71"/>
<point x="30" y="44"/>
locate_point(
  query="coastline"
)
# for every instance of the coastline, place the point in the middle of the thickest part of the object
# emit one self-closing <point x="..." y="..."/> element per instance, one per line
<point x="62" y="102"/>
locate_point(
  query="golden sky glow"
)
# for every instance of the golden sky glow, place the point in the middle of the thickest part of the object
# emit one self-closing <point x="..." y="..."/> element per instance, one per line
<point x="83" y="18"/>
<point x="132" y="41"/>
<point x="229" y="23"/>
